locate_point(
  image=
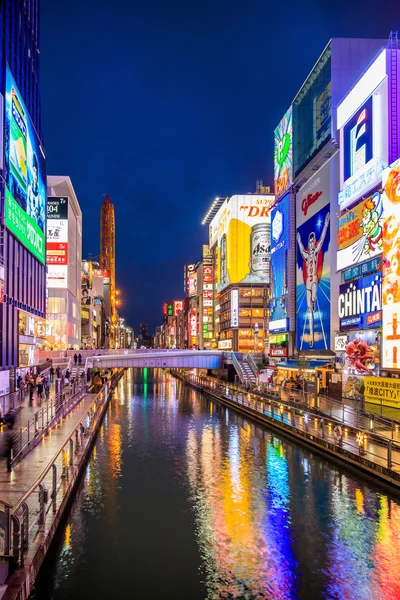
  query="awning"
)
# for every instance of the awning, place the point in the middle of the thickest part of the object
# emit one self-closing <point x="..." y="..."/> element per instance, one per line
<point x="308" y="365"/>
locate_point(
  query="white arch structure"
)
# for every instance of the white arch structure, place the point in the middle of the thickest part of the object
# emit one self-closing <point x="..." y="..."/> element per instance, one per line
<point x="188" y="359"/>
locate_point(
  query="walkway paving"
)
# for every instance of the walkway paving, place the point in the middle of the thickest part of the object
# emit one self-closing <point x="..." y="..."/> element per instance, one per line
<point x="15" y="484"/>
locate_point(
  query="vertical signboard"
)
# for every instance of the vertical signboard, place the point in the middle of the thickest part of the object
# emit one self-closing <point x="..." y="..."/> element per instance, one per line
<point x="57" y="242"/>
<point x="391" y="268"/>
<point x="178" y="307"/>
<point x="24" y="174"/>
<point x="242" y="228"/>
<point x="190" y="280"/>
<point x="280" y="245"/>
<point x="283" y="154"/>
<point x="234" y="308"/>
<point x="313" y="288"/>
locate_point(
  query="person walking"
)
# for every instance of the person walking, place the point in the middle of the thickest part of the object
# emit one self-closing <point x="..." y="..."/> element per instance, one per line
<point x="51" y="374"/>
<point x="39" y="383"/>
<point x="75" y="358"/>
<point x="58" y="372"/>
<point x="31" y="387"/>
<point x="80" y="359"/>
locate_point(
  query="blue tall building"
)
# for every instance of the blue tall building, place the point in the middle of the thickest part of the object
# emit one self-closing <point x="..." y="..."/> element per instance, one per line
<point x="22" y="191"/>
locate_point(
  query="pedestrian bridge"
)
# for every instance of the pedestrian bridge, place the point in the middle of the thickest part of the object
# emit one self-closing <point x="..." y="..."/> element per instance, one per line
<point x="164" y="359"/>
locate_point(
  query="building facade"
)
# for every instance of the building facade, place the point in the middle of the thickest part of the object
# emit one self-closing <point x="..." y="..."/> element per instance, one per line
<point x="22" y="191"/>
<point x="64" y="251"/>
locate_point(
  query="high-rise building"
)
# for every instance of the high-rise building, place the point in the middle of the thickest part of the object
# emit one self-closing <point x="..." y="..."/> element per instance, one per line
<point x="107" y="263"/>
<point x="64" y="251"/>
<point x="23" y="195"/>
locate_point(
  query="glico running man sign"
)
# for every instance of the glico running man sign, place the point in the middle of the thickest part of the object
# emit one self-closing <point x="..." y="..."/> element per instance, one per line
<point x="313" y="290"/>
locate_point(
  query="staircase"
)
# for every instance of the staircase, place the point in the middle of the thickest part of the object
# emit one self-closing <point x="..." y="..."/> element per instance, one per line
<point x="244" y="370"/>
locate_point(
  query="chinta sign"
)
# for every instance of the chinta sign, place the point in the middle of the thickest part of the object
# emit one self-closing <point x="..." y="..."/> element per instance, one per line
<point x="359" y="303"/>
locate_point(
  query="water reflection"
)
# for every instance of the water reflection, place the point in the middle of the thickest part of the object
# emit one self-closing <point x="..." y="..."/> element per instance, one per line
<point x="186" y="499"/>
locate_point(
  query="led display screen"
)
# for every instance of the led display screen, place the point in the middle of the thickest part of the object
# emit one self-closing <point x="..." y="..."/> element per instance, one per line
<point x="242" y="228"/>
<point x="25" y="174"/>
<point x="364" y="147"/>
<point x="283" y="154"/>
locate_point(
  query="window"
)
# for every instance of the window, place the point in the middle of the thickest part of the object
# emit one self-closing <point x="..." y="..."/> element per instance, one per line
<point x="57" y="306"/>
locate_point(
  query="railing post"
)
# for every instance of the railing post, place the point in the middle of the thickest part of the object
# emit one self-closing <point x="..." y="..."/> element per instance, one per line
<point x="389" y="454"/>
<point x="16" y="539"/>
<point x="25" y="528"/>
<point x="42" y="503"/>
<point x="54" y="481"/>
<point x="28" y="432"/>
<point x="71" y="452"/>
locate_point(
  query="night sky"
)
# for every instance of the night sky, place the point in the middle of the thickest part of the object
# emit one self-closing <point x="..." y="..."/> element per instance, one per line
<point x="164" y="104"/>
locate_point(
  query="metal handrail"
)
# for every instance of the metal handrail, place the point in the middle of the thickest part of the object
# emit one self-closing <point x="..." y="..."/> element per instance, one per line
<point x="51" y="412"/>
<point x="55" y="457"/>
<point x="61" y="469"/>
<point x="252" y="365"/>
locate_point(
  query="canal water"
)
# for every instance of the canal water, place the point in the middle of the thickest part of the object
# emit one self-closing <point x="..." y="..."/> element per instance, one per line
<point x="185" y="499"/>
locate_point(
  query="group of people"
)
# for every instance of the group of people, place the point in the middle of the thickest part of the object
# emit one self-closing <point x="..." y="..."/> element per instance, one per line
<point x="41" y="384"/>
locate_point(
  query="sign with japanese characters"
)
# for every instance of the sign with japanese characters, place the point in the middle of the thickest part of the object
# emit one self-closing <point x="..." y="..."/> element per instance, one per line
<point x="382" y="390"/>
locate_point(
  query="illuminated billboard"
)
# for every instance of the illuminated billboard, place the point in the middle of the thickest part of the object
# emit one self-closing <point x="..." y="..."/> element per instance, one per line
<point x="391" y="267"/>
<point x="280" y="242"/>
<point x="313" y="287"/>
<point x="57" y="231"/>
<point x="25" y="175"/>
<point x="178" y="307"/>
<point x="362" y="118"/>
<point x="360" y="232"/>
<point x="242" y="230"/>
<point x="283" y="154"/>
<point x="312" y="114"/>
<point x="190" y="280"/>
<point x="359" y="303"/>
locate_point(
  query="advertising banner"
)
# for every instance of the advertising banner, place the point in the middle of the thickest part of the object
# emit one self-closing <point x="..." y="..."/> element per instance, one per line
<point x="313" y="288"/>
<point x="280" y="245"/>
<point x="57" y="276"/>
<point x="242" y="228"/>
<point x="359" y="303"/>
<point x="283" y="154"/>
<point x="24" y="173"/>
<point x="360" y="232"/>
<point x="56" y="253"/>
<point x="391" y="268"/>
<point x="359" y="270"/>
<point x="363" y="122"/>
<point x="382" y="390"/>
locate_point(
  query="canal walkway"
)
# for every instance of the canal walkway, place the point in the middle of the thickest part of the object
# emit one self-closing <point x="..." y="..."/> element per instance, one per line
<point x="377" y="454"/>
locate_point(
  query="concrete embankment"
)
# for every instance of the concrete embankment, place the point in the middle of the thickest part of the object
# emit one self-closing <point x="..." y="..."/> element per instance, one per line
<point x="348" y="453"/>
<point x="55" y="486"/>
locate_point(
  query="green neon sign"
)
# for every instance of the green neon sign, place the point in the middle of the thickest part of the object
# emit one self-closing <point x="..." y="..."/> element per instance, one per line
<point x="24" y="228"/>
